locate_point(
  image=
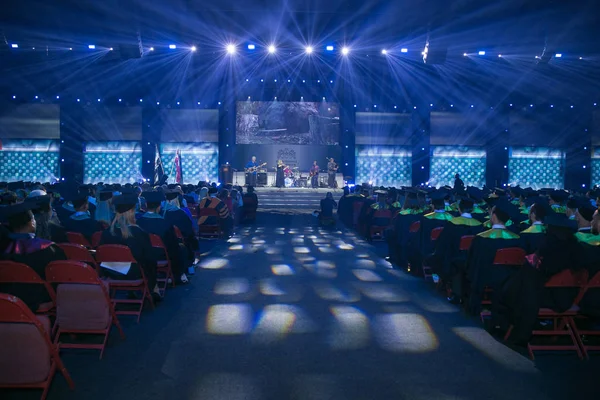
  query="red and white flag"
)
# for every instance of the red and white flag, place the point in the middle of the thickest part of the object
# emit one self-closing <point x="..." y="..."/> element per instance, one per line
<point x="178" y="175"/>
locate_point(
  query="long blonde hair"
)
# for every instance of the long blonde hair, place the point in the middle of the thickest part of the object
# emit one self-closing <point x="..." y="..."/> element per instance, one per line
<point x="123" y="221"/>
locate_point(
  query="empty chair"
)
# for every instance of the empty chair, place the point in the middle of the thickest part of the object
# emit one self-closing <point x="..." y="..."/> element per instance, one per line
<point x="23" y="282"/>
<point x="78" y="238"/>
<point x="78" y="252"/>
<point x="83" y="305"/>
<point x="163" y="267"/>
<point x="28" y="359"/>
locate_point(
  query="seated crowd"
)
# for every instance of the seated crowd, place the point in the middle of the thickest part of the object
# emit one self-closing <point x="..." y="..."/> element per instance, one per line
<point x="453" y="237"/>
<point x="158" y="226"/>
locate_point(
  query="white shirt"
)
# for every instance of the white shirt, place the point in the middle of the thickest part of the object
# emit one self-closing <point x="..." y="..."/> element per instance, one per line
<point x="498" y="226"/>
<point x="466" y="215"/>
<point x="538" y="223"/>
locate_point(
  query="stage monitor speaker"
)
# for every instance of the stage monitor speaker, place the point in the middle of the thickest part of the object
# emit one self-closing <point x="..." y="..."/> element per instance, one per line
<point x="261" y="179"/>
<point x="226" y="174"/>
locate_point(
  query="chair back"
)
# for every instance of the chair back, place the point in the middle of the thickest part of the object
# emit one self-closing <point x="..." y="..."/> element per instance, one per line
<point x="77" y="252"/>
<point x="78" y="238"/>
<point x="382" y="214"/>
<point x="156" y="241"/>
<point x="14" y="272"/>
<point x="178" y="233"/>
<point x="594" y="282"/>
<point x="465" y="242"/>
<point x="415" y="227"/>
<point x="436" y="232"/>
<point x="510" y="256"/>
<point x="25" y="338"/>
<point x="82" y="299"/>
<point x="114" y="253"/>
<point x="96" y="239"/>
<point x="208" y="212"/>
<point x="568" y="278"/>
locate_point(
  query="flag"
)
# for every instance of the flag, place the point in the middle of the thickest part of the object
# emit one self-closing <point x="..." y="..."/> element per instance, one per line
<point x="159" y="171"/>
<point x="178" y="176"/>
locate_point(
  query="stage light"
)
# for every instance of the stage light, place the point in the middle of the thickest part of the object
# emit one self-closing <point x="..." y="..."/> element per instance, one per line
<point x="172" y="46"/>
<point x="230" y="48"/>
<point x="141" y="100"/>
<point x="262" y="80"/>
<point x="198" y="103"/>
<point x="271" y="49"/>
<point x="308" y="49"/>
<point x="251" y="47"/>
<point x="355" y="106"/>
<point x="151" y="48"/>
<point x="303" y="81"/>
<point x="78" y="100"/>
<point x="345" y="51"/>
<point x="70" y="48"/>
<point x="318" y="81"/>
<point x="329" y="48"/>
<point x="581" y="58"/>
<point x="551" y="105"/>
<point x="36" y="97"/>
<point x="178" y="103"/>
<point x="98" y="100"/>
<point x="384" y="51"/>
<point x="193" y="48"/>
<point x="57" y="97"/>
<point x="471" y="105"/>
<point x="120" y="100"/>
<point x="374" y="105"/>
<point x="91" y="47"/>
<point x="510" y="105"/>
<point x="595" y="104"/>
<point x="481" y="53"/>
<point x="531" y="105"/>
<point x="500" y="55"/>
<point x="158" y="103"/>
<point x="14" y="46"/>
<point x="289" y="81"/>
<point x="275" y="80"/>
<point x="451" y="105"/>
<point x="431" y="105"/>
<point x="111" y="49"/>
<point x="558" y="55"/>
<point x="14" y="97"/>
<point x="464" y="54"/>
<point x="395" y="107"/>
<point x="572" y="106"/>
<point x="219" y="103"/>
<point x="330" y="81"/>
<point x="403" y="50"/>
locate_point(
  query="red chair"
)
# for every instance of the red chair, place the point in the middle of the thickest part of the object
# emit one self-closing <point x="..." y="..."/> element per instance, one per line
<point x="377" y="231"/>
<point x="77" y="252"/>
<point x="25" y="337"/>
<point x="83" y="305"/>
<point x="119" y="253"/>
<point x="78" y="238"/>
<point x="163" y="266"/>
<point x="414" y="227"/>
<point x="193" y="209"/>
<point x="592" y="284"/>
<point x="96" y="239"/>
<point x="510" y="257"/>
<point x="178" y="233"/>
<point x="209" y="230"/>
<point x="356" y="209"/>
<point x="465" y="242"/>
<point x="434" y="235"/>
<point x="13" y="272"/>
<point x="563" y="323"/>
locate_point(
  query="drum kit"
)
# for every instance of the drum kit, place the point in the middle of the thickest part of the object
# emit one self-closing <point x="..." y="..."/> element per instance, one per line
<point x="293" y="177"/>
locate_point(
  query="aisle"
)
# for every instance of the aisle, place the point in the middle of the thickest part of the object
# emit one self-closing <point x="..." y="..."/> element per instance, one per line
<point x="285" y="311"/>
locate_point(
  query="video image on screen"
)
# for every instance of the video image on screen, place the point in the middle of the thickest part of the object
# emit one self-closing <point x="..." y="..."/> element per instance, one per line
<point x="279" y="122"/>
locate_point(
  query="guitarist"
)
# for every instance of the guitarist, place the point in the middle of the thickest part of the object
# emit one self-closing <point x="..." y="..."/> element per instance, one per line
<point x="314" y="175"/>
<point x="332" y="168"/>
<point x="251" y="171"/>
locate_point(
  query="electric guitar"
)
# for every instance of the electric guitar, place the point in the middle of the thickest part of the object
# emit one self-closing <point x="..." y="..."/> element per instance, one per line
<point x="254" y="169"/>
<point x="312" y="173"/>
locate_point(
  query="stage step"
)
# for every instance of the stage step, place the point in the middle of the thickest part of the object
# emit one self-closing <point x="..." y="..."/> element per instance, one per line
<point x="296" y="199"/>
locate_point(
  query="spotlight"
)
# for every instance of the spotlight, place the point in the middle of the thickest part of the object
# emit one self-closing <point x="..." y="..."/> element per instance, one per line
<point x="151" y="48"/>
<point x="251" y="47"/>
<point x="36" y="97"/>
<point x="91" y="47"/>
<point x="499" y="55"/>
<point x="14" y="97"/>
<point x="111" y="49"/>
<point x="384" y="51"/>
<point x="78" y="100"/>
<point x="481" y="53"/>
<point x="230" y="48"/>
<point x="271" y="49"/>
<point x="98" y="100"/>
<point x="581" y="58"/>
<point x="345" y="51"/>
<point x="193" y="48"/>
<point x="70" y="48"/>
<point x="172" y="46"/>
<point x="464" y="54"/>
<point x="14" y="46"/>
<point x="141" y="100"/>
<point x="308" y="49"/>
<point x="558" y="55"/>
<point x="329" y="48"/>
<point x="120" y="100"/>
<point x="57" y="97"/>
<point x="404" y="50"/>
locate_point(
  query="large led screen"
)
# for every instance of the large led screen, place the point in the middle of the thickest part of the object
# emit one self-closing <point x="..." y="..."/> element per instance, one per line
<point x="112" y="162"/>
<point x="29" y="160"/>
<point x="384" y="165"/>
<point x="277" y="122"/>
<point x="447" y="161"/>
<point x="536" y="167"/>
<point x="596" y="166"/>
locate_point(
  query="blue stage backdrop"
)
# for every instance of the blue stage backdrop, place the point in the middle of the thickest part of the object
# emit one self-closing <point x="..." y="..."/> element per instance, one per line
<point x="199" y="161"/>
<point x="596" y="166"/>
<point x="447" y="161"/>
<point x="536" y="167"/>
<point x="384" y="165"/>
<point x="112" y="162"/>
<point x="29" y="160"/>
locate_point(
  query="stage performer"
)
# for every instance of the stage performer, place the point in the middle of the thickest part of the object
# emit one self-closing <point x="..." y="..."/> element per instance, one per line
<point x="332" y="168"/>
<point x="280" y="178"/>
<point x="251" y="171"/>
<point x="314" y="175"/>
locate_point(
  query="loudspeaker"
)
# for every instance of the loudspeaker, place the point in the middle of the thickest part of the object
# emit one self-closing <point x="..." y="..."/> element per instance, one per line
<point x="225" y="174"/>
<point x="261" y="179"/>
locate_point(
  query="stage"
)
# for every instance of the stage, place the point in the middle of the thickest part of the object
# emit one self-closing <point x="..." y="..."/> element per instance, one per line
<point x="293" y="200"/>
<point x="266" y="180"/>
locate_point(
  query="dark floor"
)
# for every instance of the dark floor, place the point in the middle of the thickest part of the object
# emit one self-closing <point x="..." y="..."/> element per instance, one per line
<point x="285" y="311"/>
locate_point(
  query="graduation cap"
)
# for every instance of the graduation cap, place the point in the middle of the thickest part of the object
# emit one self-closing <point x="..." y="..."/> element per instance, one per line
<point x="586" y="210"/>
<point x="153" y="197"/>
<point x="438" y="195"/>
<point x="15" y="185"/>
<point x="466" y="203"/>
<point x="125" y="202"/>
<point x="105" y="195"/>
<point x="559" y="195"/>
<point x="381" y="192"/>
<point x="507" y="207"/>
<point x="475" y="193"/>
<point x="37" y="193"/>
<point x="499" y="192"/>
<point x="15" y="213"/>
<point x="173" y="194"/>
<point x="560" y="220"/>
<point x="536" y="200"/>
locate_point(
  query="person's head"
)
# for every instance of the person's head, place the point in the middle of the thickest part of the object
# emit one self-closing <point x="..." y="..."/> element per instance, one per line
<point x="279" y="162"/>
<point x="315" y="162"/>
<point x="329" y="195"/>
<point x="154" y="201"/>
<point x="571" y="208"/>
<point x="537" y="213"/>
<point x="203" y="193"/>
<point x="499" y="216"/>
<point x="124" y="215"/>
<point x="172" y="197"/>
<point x="8" y="198"/>
<point x="212" y="192"/>
<point x="250" y="189"/>
<point x="457" y="176"/>
<point x="42" y="214"/>
<point x="381" y="197"/>
<point x="585" y="215"/>
<point x="253" y="158"/>
<point x="22" y="220"/>
<point x="465" y="206"/>
<point x="224" y="194"/>
<point x="234" y="194"/>
<point x="331" y="160"/>
<point x="81" y="203"/>
<point x="346" y="190"/>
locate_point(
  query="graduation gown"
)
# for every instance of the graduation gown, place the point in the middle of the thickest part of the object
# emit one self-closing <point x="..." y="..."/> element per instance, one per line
<point x="590" y="260"/>
<point x="82" y="223"/>
<point x="420" y="245"/>
<point x="532" y="238"/>
<point x="480" y="270"/>
<point x="141" y="249"/>
<point x="156" y="224"/>
<point x="64" y="211"/>
<point x="36" y="253"/>
<point x="177" y="217"/>
<point x="398" y="240"/>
